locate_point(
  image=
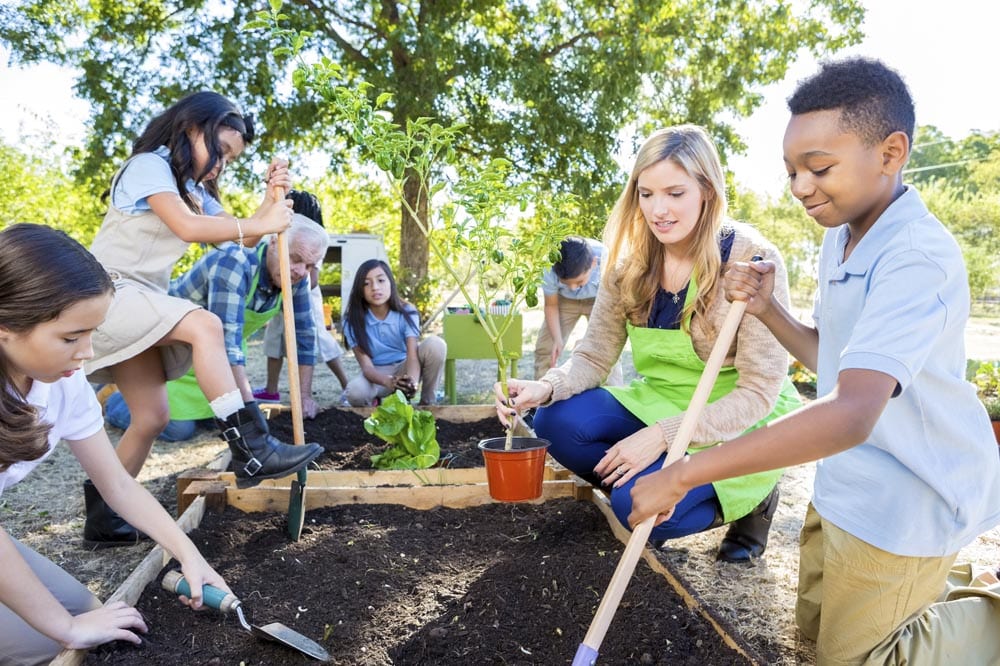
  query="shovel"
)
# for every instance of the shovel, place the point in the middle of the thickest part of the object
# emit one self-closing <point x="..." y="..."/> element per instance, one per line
<point x="296" y="496"/>
<point x="227" y="602"/>
<point x="586" y="653"/>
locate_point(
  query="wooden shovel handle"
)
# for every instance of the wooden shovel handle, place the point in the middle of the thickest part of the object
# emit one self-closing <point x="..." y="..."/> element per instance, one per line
<point x="291" y="346"/>
<point x="640" y="535"/>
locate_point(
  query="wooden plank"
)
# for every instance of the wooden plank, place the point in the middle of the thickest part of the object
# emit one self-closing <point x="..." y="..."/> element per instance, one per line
<point x="453" y="413"/>
<point x="144" y="574"/>
<point x="418" y="497"/>
<point x="213" y="492"/>
<point x="601" y="500"/>
<point x="435" y="476"/>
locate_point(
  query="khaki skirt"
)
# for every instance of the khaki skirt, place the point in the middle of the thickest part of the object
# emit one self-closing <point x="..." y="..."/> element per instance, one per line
<point x="139" y="317"/>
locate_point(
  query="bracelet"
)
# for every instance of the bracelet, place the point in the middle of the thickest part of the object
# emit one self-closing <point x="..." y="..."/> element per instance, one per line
<point x="239" y="230"/>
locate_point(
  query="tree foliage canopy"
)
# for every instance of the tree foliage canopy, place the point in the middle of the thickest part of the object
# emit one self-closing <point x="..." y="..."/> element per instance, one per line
<point x="550" y="85"/>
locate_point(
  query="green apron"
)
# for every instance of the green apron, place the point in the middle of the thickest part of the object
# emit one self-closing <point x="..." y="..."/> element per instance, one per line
<point x="669" y="370"/>
<point x="187" y="402"/>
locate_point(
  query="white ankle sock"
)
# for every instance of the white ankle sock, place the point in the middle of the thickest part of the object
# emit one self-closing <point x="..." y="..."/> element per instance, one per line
<point x="227" y="404"/>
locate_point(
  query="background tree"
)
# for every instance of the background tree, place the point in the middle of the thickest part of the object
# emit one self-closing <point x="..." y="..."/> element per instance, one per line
<point x="549" y="84"/>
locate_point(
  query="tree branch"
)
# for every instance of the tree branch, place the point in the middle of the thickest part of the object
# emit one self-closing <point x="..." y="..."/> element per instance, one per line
<point x="570" y="43"/>
<point x="349" y="49"/>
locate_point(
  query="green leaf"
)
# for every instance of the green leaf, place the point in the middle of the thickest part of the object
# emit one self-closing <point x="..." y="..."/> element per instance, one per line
<point x="411" y="433"/>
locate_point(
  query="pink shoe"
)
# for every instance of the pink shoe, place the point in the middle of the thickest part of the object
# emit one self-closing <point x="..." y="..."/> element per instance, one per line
<point x="262" y="395"/>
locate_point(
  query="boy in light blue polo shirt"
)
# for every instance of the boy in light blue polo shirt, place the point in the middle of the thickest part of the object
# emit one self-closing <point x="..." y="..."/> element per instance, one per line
<point x="569" y="288"/>
<point x="908" y="470"/>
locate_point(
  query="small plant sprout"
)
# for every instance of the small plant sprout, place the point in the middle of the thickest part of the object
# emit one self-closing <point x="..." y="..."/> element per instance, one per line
<point x="476" y="226"/>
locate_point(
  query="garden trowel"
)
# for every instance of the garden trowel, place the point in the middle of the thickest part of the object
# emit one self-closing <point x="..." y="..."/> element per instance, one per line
<point x="227" y="602"/>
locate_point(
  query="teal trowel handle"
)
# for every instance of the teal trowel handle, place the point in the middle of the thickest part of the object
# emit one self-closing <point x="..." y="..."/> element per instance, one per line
<point x="174" y="581"/>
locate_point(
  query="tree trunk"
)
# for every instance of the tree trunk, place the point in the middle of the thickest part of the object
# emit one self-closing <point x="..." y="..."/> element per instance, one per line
<point x="413" y="247"/>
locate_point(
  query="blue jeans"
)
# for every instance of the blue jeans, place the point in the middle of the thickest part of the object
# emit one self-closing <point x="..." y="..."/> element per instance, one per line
<point x="582" y="428"/>
<point x="116" y="413"/>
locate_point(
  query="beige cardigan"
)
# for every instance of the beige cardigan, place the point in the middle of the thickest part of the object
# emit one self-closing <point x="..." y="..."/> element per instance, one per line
<point x="760" y="359"/>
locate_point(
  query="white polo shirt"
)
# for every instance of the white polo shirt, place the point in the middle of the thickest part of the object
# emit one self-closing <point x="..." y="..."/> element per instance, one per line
<point x="71" y="406"/>
<point x="927" y="481"/>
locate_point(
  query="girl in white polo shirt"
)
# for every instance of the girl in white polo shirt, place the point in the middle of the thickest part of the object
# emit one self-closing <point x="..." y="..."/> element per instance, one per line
<point x="54" y="295"/>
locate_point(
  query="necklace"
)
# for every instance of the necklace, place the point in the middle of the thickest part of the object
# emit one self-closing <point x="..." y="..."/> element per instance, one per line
<point x="677" y="280"/>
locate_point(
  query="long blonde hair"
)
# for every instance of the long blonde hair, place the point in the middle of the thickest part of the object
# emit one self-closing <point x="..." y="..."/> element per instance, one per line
<point x="633" y="249"/>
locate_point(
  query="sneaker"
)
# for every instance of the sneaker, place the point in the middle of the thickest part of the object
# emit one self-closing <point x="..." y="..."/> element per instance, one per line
<point x="262" y="395"/>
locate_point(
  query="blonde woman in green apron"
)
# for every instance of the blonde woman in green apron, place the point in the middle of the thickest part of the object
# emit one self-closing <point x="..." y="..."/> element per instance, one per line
<point x="669" y="241"/>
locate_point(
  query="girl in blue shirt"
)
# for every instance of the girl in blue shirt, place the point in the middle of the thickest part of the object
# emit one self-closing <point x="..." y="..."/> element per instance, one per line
<point x="384" y="332"/>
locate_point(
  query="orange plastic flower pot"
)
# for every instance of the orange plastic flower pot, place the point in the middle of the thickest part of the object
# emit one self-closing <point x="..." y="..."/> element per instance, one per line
<point x="515" y="475"/>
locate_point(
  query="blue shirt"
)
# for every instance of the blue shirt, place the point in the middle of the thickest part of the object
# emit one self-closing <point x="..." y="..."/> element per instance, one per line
<point x="386" y="337"/>
<point x="147" y="174"/>
<point x="927" y="481"/>
<point x="551" y="284"/>
<point x="220" y="282"/>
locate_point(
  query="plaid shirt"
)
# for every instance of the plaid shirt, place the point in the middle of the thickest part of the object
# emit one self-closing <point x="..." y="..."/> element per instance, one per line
<point x="220" y="282"/>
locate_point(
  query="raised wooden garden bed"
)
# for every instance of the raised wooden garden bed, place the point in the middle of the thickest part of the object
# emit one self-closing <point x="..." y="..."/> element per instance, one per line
<point x="346" y="507"/>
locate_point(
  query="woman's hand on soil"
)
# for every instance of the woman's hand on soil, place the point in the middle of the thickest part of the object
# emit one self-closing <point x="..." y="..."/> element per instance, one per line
<point x="111" y="622"/>
<point x="655" y="494"/>
<point x="524" y="395"/>
<point x="630" y="456"/>
<point x="750" y="282"/>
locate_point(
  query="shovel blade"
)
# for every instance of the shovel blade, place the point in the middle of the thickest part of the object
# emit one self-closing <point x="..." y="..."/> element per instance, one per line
<point x="279" y="633"/>
<point x="297" y="506"/>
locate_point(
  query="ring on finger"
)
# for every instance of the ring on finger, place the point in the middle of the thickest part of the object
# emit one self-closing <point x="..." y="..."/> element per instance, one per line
<point x="621" y="471"/>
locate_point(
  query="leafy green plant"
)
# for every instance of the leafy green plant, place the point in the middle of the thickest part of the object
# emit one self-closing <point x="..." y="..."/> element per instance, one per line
<point x="472" y="227"/>
<point x="411" y="433"/>
<point x="986" y="377"/>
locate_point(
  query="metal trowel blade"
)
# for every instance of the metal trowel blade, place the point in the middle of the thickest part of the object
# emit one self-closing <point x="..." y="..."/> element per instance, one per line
<point x="275" y="631"/>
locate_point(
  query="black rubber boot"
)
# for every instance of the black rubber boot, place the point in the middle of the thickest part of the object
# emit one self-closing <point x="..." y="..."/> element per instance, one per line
<point x="104" y="528"/>
<point x="746" y="538"/>
<point x="256" y="454"/>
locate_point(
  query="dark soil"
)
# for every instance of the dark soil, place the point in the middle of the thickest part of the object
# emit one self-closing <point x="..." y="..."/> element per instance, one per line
<point x="348" y="446"/>
<point x="385" y="584"/>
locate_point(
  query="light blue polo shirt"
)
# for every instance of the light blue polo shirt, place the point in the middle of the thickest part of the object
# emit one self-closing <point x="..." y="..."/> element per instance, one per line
<point x="147" y="174"/>
<point x="551" y="284"/>
<point x="386" y="337"/>
<point x="927" y="481"/>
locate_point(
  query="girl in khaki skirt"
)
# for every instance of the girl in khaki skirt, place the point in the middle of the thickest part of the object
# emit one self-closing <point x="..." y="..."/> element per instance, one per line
<point x="164" y="198"/>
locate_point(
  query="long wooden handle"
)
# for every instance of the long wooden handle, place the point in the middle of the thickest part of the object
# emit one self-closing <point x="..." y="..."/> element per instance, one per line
<point x="616" y="588"/>
<point x="291" y="348"/>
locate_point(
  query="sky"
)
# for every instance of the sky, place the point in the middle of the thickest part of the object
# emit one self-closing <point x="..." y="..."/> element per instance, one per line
<point x="945" y="52"/>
